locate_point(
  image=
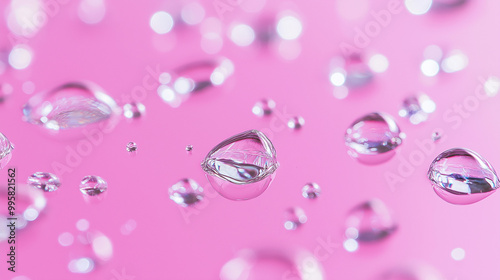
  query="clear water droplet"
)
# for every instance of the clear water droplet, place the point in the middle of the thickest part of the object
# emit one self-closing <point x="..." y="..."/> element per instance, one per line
<point x="93" y="185"/>
<point x="134" y="110"/>
<point x="461" y="176"/>
<point x="296" y="122"/>
<point x="6" y="148"/>
<point x="70" y="106"/>
<point x="241" y="167"/>
<point x="417" y="108"/>
<point x="369" y="222"/>
<point x="47" y="182"/>
<point x="264" y="107"/>
<point x="294" y="218"/>
<point x="186" y="192"/>
<point x="189" y="148"/>
<point x="131" y="147"/>
<point x="311" y="191"/>
<point x="373" y="138"/>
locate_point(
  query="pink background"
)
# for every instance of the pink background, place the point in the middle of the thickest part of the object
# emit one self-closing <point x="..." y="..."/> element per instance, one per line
<point x="167" y="244"/>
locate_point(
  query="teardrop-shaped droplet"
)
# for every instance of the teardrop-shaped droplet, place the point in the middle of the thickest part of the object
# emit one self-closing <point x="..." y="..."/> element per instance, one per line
<point x="93" y="185"/>
<point x="264" y="107"/>
<point x="370" y="221"/>
<point x="417" y="108"/>
<point x="294" y="218"/>
<point x="373" y="138"/>
<point x="311" y="191"/>
<point x="186" y="192"/>
<point x="6" y="148"/>
<point x="70" y="106"/>
<point x="461" y="176"/>
<point x="47" y="182"/>
<point x="241" y="167"/>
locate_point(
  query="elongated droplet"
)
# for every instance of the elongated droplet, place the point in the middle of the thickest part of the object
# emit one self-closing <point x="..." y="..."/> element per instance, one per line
<point x="70" y="106"/>
<point x="264" y="107"/>
<point x="241" y="167"/>
<point x="461" y="176"/>
<point x="294" y="218"/>
<point x="186" y="192"/>
<point x="370" y="221"/>
<point x="417" y="108"/>
<point x="93" y="185"/>
<point x="311" y="191"/>
<point x="45" y="181"/>
<point x="6" y="148"/>
<point x="373" y="138"/>
<point x="412" y="271"/>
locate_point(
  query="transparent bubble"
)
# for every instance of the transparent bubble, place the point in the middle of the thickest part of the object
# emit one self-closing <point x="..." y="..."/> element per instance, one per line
<point x="417" y="108"/>
<point x="296" y="122"/>
<point x="134" y="110"/>
<point x="186" y="192"/>
<point x="461" y="176"/>
<point x="311" y="191"/>
<point x="6" y="148"/>
<point x="93" y="185"/>
<point x="131" y="147"/>
<point x="373" y="138"/>
<point x="370" y="221"/>
<point x="45" y="181"/>
<point x="264" y="107"/>
<point x="294" y="218"/>
<point x="241" y="167"/>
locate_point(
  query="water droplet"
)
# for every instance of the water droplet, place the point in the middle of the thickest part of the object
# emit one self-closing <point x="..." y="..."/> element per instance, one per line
<point x="186" y="192"/>
<point x="161" y="22"/>
<point x="351" y="245"/>
<point x="93" y="185"/>
<point x="45" y="181"/>
<point x="20" y="57"/>
<point x="294" y="218"/>
<point x="128" y="227"/>
<point x="311" y="191"/>
<point x="189" y="148"/>
<point x="289" y="27"/>
<point x="492" y="86"/>
<point x="458" y="254"/>
<point x="6" y="90"/>
<point x="351" y="72"/>
<point x="82" y="225"/>
<point x="417" y="108"/>
<point x="412" y="271"/>
<point x="370" y="221"/>
<point x="81" y="265"/>
<point x="192" y="13"/>
<point x="6" y="148"/>
<point x="461" y="176"/>
<point x="65" y="239"/>
<point x="264" y="107"/>
<point x="70" y="106"/>
<point x="373" y="138"/>
<point x="131" y="147"/>
<point x="241" y="167"/>
<point x="436" y="136"/>
<point x="91" y="11"/>
<point x="134" y="110"/>
<point x="296" y="122"/>
<point x="442" y="5"/>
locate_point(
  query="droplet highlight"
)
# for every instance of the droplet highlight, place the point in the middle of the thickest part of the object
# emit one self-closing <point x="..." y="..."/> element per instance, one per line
<point x="134" y="110"/>
<point x="296" y="122"/>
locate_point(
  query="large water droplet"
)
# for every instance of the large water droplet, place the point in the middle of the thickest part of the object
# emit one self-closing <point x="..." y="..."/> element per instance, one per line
<point x="370" y="221"/>
<point x="186" y="192"/>
<point x="93" y="185"/>
<point x="241" y="167"/>
<point x="461" y="176"/>
<point x="294" y="218"/>
<point x="373" y="138"/>
<point x="45" y="181"/>
<point x="417" y="108"/>
<point x="311" y="191"/>
<point x="70" y="106"/>
<point x="6" y="148"/>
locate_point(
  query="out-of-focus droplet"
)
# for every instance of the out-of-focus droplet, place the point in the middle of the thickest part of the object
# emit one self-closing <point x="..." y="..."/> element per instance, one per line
<point x="294" y="218"/>
<point x="264" y="107"/>
<point x="128" y="227"/>
<point x="28" y="87"/>
<point x="101" y="246"/>
<point x="6" y="148"/>
<point x="131" y="147"/>
<point x="436" y="60"/>
<point x="412" y="271"/>
<point x="192" y="13"/>
<point x="189" y="148"/>
<point x="186" y="192"/>
<point x="71" y="106"/>
<point x="241" y="167"/>
<point x="296" y="122"/>
<point x="311" y="191"/>
<point x="461" y="176"/>
<point x="5" y="91"/>
<point x="134" y="110"/>
<point x="349" y="73"/>
<point x="373" y="138"/>
<point x="65" y="239"/>
<point x="47" y="182"/>
<point x="492" y="86"/>
<point x="351" y="245"/>
<point x="20" y="57"/>
<point x="443" y="5"/>
<point x="289" y="27"/>
<point x="93" y="185"/>
<point x="26" y="17"/>
<point x="242" y="35"/>
<point x="417" y="108"/>
<point x="91" y="11"/>
<point x="81" y="265"/>
<point x="370" y="221"/>
<point x="458" y="254"/>
<point x="436" y="136"/>
<point x="161" y="22"/>
<point x="454" y="61"/>
<point x="418" y="7"/>
<point x="430" y="67"/>
<point x="378" y="63"/>
<point x="82" y="225"/>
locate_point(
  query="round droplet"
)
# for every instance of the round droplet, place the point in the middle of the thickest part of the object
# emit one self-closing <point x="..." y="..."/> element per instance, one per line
<point x="189" y="148"/>
<point x="6" y="148"/>
<point x="461" y="176"/>
<point x="186" y="192"/>
<point x="351" y="72"/>
<point x="81" y="265"/>
<point x="436" y="136"/>
<point x="296" y="122"/>
<point x="131" y="147"/>
<point x="241" y="167"/>
<point x="93" y="185"/>
<point x="458" y="254"/>
<point x="264" y="107"/>
<point x="294" y="218"/>
<point x="373" y="138"/>
<point x="311" y="191"/>
<point x="417" y="108"/>
<point x="370" y="221"/>
<point x="45" y="181"/>
<point x="134" y="110"/>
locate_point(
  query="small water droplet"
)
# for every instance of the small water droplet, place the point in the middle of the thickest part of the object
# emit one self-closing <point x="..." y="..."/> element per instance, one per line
<point x="81" y="265"/>
<point x="458" y="254"/>
<point x="65" y="239"/>
<point x="91" y="11"/>
<point x="93" y="185"/>
<point x="351" y="72"/>
<point x="241" y="167"/>
<point x="370" y="221"/>
<point x="436" y="136"/>
<point x="294" y="218"/>
<point x="189" y="148"/>
<point x="134" y="110"/>
<point x="417" y="108"/>
<point x="296" y="122"/>
<point x="264" y="107"/>
<point x="45" y="181"/>
<point x="461" y="176"/>
<point x="373" y="138"/>
<point x="131" y="147"/>
<point x="6" y="148"/>
<point x="5" y="91"/>
<point x="186" y="192"/>
<point x="311" y="191"/>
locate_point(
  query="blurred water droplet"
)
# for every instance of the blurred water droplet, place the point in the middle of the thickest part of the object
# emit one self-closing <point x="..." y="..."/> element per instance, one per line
<point x="412" y="271"/>
<point x="351" y="245"/>
<point x="91" y="11"/>
<point x="264" y="107"/>
<point x="373" y="138"/>
<point x="351" y="72"/>
<point x="443" y="5"/>
<point x="189" y="148"/>
<point x="93" y="185"/>
<point x="65" y="239"/>
<point x="369" y="222"/>
<point x="128" y="227"/>
<point x="5" y="91"/>
<point x="193" y="13"/>
<point x="436" y="136"/>
<point x="134" y="110"/>
<point x="25" y="18"/>
<point x="311" y="191"/>
<point x="20" y="57"/>
<point x="458" y="254"/>
<point x="28" y="87"/>
<point x="82" y="225"/>
<point x="417" y="108"/>
<point x="131" y="147"/>
<point x="461" y="176"/>
<point x="289" y="27"/>
<point x="378" y="63"/>
<point x="161" y="22"/>
<point x="186" y="192"/>
<point x="296" y="122"/>
<point x="47" y="182"/>
<point x="81" y="265"/>
<point x="241" y="167"/>
<point x="492" y="86"/>
<point x="6" y="148"/>
<point x="294" y="218"/>
<point x="102" y="246"/>
<point x="242" y="35"/>
<point x="418" y="7"/>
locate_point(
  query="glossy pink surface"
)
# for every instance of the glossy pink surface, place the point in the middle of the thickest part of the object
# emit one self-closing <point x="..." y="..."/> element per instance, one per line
<point x="170" y="242"/>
